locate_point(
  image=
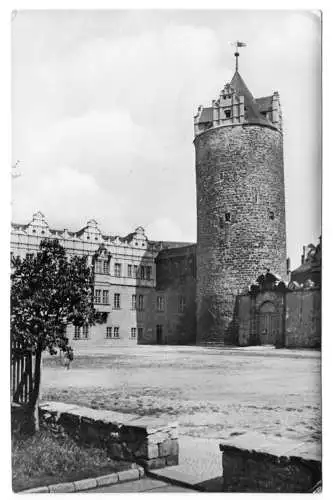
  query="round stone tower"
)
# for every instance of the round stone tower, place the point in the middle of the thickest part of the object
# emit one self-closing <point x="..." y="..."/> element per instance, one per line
<point x="241" y="225"/>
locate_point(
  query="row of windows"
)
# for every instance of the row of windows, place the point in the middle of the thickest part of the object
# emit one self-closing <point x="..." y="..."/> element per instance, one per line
<point x="137" y="303"/>
<point x="133" y="271"/>
<point x="112" y="332"/>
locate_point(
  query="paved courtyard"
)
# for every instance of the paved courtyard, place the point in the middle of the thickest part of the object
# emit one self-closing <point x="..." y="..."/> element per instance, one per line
<point x="212" y="393"/>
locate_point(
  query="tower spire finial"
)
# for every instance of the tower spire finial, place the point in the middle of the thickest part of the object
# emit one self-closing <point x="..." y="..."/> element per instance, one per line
<point x="237" y="44"/>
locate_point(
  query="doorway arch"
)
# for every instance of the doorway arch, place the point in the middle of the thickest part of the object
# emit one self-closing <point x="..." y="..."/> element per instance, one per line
<point x="268" y="323"/>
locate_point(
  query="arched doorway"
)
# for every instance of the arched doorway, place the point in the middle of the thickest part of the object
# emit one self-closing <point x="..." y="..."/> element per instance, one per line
<point x="268" y="324"/>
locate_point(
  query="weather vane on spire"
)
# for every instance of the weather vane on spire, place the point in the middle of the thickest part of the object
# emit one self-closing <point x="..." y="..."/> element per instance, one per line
<point x="237" y="44"/>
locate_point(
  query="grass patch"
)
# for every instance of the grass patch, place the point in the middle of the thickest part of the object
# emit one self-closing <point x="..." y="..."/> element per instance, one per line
<point x="44" y="459"/>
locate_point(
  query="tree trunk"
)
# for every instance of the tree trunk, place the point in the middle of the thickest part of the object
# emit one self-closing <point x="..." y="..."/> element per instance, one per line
<point x="33" y="403"/>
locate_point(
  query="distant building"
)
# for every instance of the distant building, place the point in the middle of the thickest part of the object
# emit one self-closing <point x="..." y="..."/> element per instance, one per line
<point x="310" y="268"/>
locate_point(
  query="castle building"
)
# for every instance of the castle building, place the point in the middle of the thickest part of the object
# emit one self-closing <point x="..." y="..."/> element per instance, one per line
<point x="230" y="287"/>
<point x="241" y="225"/>
<point x="136" y="282"/>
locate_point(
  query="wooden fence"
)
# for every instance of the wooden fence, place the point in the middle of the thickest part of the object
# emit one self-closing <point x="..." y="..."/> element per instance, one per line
<point x="21" y="373"/>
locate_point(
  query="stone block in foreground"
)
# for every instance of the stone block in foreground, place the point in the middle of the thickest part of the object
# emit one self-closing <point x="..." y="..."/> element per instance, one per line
<point x="149" y="442"/>
<point x="254" y="463"/>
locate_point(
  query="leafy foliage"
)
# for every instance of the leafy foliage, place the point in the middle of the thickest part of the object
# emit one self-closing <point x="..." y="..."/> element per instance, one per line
<point x="48" y="291"/>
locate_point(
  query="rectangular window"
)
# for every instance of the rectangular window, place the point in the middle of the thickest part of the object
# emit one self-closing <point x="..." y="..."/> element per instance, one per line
<point x="148" y="272"/>
<point x="142" y="272"/>
<point x="106" y="267"/>
<point x="133" y="333"/>
<point x="134" y="302"/>
<point x="135" y="271"/>
<point x="140" y="332"/>
<point x="98" y="266"/>
<point x="116" y="301"/>
<point x="97" y="296"/>
<point x="85" y="331"/>
<point x="117" y="270"/>
<point x="116" y="332"/>
<point x="140" y="304"/>
<point x="77" y="332"/>
<point x="29" y="255"/>
<point x="129" y="270"/>
<point x="181" y="304"/>
<point x="105" y="296"/>
<point x="109" y="332"/>
<point x="160" y="303"/>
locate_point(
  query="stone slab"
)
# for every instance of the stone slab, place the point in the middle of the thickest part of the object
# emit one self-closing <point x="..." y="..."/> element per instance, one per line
<point x="107" y="480"/>
<point x="85" y="484"/>
<point x="106" y="416"/>
<point x="40" y="489"/>
<point x="152" y="424"/>
<point x="254" y="441"/>
<point x="128" y="475"/>
<point x="62" y="488"/>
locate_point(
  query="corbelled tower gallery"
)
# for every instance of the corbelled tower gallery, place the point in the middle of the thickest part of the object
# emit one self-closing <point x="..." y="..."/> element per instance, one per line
<point x="241" y="225"/>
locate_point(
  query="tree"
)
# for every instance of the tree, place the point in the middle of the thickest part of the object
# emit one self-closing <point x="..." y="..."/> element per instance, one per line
<point x="48" y="291"/>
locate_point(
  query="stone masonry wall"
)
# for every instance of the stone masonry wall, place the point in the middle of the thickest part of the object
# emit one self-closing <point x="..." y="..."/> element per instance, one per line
<point x="303" y="318"/>
<point x="239" y="171"/>
<point x="251" y="471"/>
<point x="147" y="441"/>
<point x="299" y="314"/>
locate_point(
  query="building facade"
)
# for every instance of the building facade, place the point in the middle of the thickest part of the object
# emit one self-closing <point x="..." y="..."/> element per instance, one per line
<point x="241" y="226"/>
<point x="130" y="285"/>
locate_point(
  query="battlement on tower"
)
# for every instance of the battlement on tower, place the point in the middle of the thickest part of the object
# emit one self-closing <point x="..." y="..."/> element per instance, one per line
<point x="236" y="106"/>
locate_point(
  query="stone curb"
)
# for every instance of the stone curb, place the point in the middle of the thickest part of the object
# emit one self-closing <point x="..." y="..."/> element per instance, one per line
<point x="91" y="483"/>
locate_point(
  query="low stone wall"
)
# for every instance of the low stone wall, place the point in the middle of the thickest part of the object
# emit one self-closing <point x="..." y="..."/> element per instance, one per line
<point x="146" y="441"/>
<point x="250" y="470"/>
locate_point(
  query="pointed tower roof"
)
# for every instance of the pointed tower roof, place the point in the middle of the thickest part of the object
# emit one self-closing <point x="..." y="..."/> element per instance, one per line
<point x="252" y="108"/>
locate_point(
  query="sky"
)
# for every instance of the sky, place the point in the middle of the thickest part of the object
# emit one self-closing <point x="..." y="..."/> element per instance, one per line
<point x="103" y="105"/>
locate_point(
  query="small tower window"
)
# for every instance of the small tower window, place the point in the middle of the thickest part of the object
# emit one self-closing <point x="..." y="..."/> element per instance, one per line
<point x="271" y="215"/>
<point x="227" y="113"/>
<point x="227" y="216"/>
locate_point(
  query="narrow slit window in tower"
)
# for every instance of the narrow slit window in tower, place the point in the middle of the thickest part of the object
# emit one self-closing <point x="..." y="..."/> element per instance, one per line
<point x="271" y="215"/>
<point x="227" y="216"/>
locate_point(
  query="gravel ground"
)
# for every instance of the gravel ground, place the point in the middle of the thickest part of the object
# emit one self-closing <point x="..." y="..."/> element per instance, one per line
<point x="212" y="393"/>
